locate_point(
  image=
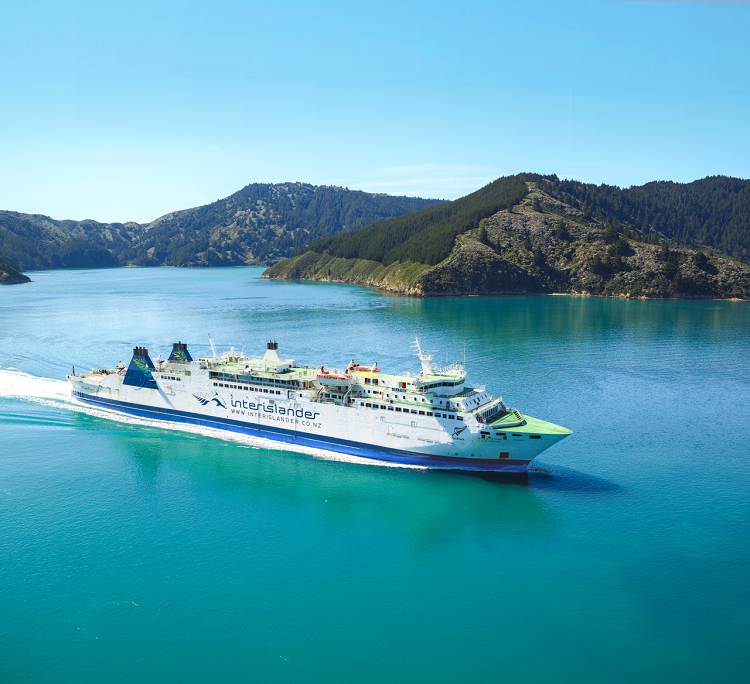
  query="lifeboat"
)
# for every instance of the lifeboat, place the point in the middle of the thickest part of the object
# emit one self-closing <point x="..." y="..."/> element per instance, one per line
<point x="332" y="376"/>
<point x="356" y="368"/>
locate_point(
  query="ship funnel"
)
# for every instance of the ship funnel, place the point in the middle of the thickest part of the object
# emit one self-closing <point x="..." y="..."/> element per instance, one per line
<point x="139" y="370"/>
<point x="272" y="353"/>
<point x="180" y="353"/>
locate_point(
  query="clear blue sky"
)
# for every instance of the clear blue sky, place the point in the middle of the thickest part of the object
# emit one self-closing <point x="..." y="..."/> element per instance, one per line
<point x="126" y="111"/>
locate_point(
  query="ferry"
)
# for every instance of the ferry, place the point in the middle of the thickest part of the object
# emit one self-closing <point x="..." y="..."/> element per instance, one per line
<point x="433" y="419"/>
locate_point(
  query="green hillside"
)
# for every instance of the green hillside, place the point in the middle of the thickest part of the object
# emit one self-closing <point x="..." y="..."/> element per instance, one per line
<point x="426" y="236"/>
<point x="33" y="242"/>
<point x="548" y="241"/>
<point x="260" y="224"/>
<point x="713" y="211"/>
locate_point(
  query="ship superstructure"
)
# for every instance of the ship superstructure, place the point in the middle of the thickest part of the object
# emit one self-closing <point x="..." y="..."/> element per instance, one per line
<point x="433" y="418"/>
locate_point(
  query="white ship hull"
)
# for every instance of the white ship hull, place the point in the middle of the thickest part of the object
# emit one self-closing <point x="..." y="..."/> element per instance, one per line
<point x="290" y="417"/>
<point x="431" y="419"/>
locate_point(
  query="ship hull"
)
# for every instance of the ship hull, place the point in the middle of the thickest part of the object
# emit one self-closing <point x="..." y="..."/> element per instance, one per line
<point x="298" y="438"/>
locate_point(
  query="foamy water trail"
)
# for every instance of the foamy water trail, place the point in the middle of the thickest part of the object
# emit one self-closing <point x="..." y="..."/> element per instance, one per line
<point x="15" y="384"/>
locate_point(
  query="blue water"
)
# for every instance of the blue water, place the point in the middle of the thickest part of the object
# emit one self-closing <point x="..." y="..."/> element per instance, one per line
<point x="130" y="552"/>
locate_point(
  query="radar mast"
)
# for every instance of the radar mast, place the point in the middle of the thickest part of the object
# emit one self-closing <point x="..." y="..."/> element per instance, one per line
<point x="424" y="357"/>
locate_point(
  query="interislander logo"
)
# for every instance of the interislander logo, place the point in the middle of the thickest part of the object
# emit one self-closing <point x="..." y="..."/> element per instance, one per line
<point x="458" y="431"/>
<point x="205" y="398"/>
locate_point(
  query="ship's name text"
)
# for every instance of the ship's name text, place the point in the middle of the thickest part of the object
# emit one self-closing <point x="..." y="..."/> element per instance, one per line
<point x="299" y="413"/>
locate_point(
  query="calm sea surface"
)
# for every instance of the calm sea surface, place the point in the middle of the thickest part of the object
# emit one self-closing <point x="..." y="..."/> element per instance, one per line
<point x="134" y="553"/>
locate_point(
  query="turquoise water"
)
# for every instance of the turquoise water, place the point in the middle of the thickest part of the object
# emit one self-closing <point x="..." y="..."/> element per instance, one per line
<point x="129" y="552"/>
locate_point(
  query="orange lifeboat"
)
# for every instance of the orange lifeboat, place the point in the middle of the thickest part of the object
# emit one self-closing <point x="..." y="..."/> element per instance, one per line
<point x="355" y="367"/>
<point x="328" y="377"/>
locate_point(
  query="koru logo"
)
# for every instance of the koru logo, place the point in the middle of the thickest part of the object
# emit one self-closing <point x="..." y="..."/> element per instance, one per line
<point x="458" y="431"/>
<point x="204" y="398"/>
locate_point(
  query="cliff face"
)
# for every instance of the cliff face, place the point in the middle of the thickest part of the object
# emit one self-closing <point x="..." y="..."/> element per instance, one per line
<point x="542" y="245"/>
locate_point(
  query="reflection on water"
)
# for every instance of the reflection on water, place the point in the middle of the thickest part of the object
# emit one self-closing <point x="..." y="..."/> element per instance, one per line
<point x="561" y="479"/>
<point x="431" y="505"/>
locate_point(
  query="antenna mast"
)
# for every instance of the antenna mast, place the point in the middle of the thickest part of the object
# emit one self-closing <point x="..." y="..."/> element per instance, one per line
<point x="213" y="346"/>
<point x="424" y="357"/>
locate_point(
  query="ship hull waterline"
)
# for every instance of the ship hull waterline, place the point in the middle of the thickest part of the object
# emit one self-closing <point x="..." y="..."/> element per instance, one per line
<point x="286" y="436"/>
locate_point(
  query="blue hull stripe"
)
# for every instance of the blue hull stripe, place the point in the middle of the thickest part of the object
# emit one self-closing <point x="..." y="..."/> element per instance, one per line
<point x="287" y="436"/>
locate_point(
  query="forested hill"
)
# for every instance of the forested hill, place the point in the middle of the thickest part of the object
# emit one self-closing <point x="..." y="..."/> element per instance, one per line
<point x="532" y="233"/>
<point x="712" y="212"/>
<point x="39" y="242"/>
<point x="261" y="223"/>
<point x="427" y="236"/>
<point x="257" y="225"/>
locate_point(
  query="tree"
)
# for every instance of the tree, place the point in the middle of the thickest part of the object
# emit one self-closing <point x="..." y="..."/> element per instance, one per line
<point x="672" y="266"/>
<point x="597" y="265"/>
<point x="561" y="231"/>
<point x="677" y="281"/>
<point x="483" y="235"/>
<point x="700" y="260"/>
<point x="610" y="234"/>
<point x="664" y="254"/>
<point x="621" y="247"/>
